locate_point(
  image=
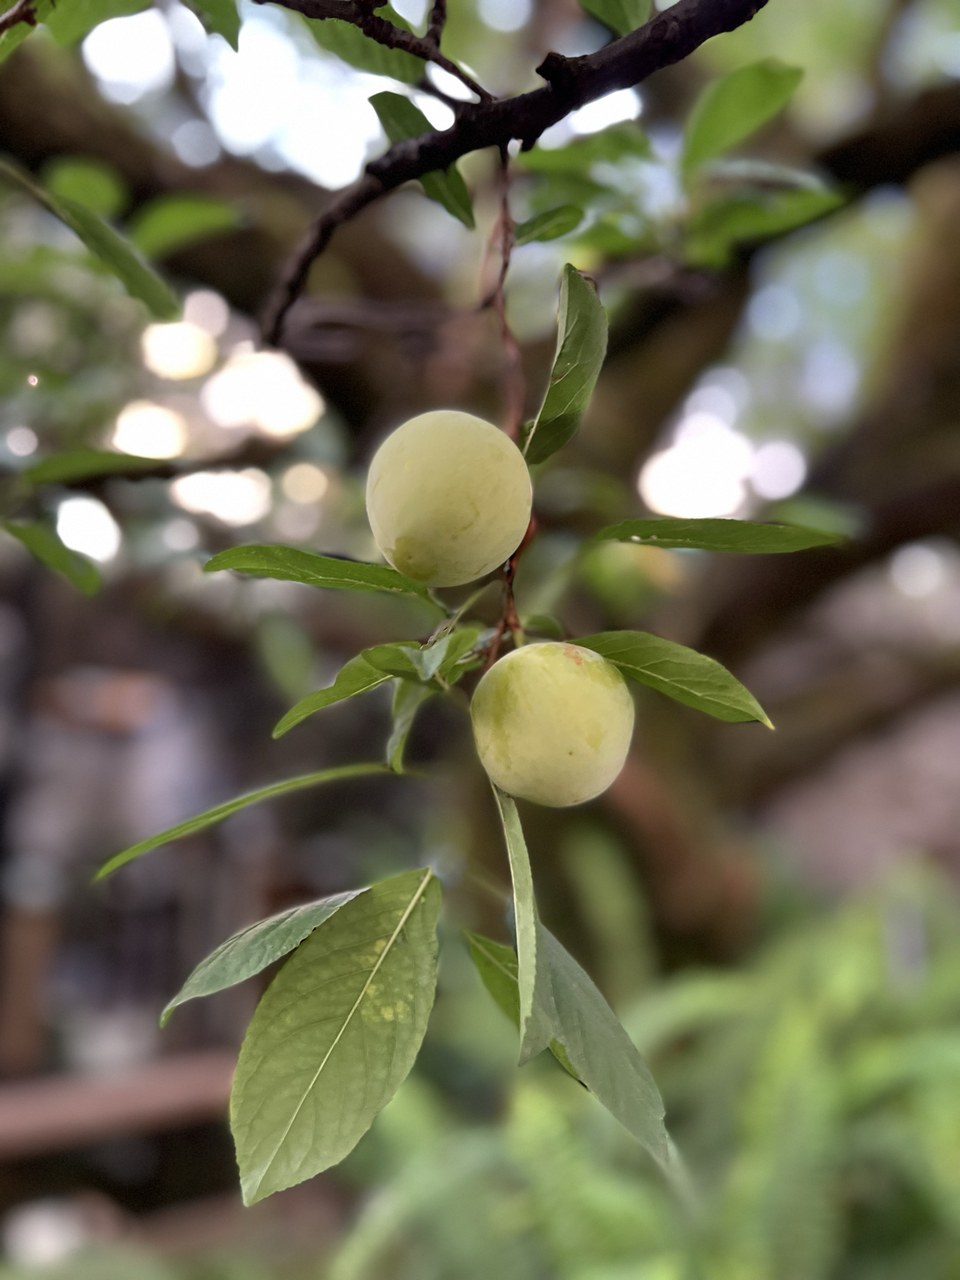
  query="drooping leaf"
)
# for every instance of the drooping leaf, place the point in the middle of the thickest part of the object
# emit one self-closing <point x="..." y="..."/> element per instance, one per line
<point x="725" y="225"/>
<point x="219" y="17"/>
<point x="537" y="1012"/>
<point x="746" y="536"/>
<point x="219" y="812"/>
<point x="348" y="42"/>
<point x="43" y="543"/>
<point x="170" y="223"/>
<point x="356" y="676"/>
<point x="335" y="1034"/>
<point x="423" y="662"/>
<point x="408" y="698"/>
<point x="85" y="464"/>
<point x="681" y="673"/>
<point x="92" y="183"/>
<point x="252" y="949"/>
<point x="290" y="565"/>
<point x="402" y="119"/>
<point x="735" y="106"/>
<point x="550" y="225"/>
<point x="103" y="241"/>
<point x="496" y="964"/>
<point x="621" y="16"/>
<point x="588" y="1039"/>
<point x="581" y="347"/>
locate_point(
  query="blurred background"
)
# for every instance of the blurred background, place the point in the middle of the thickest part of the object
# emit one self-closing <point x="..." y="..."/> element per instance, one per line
<point x="775" y="917"/>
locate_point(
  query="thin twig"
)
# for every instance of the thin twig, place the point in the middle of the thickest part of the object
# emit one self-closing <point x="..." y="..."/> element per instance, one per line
<point x="515" y="389"/>
<point x="666" y="39"/>
<point x="436" y="22"/>
<point x="23" y="11"/>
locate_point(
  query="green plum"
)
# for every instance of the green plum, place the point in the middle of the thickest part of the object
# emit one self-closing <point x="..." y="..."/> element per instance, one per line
<point x="448" y="498"/>
<point x="552" y="723"/>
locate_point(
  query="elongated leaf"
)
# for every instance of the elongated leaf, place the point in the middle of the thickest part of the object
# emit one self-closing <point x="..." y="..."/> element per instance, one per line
<point x="104" y="242"/>
<point x="219" y="17"/>
<point x="719" y="535"/>
<point x="609" y="146"/>
<point x="43" y="543"/>
<point x="402" y="119"/>
<point x="348" y="42"/>
<point x="291" y="565"/>
<point x="733" y="107"/>
<point x="549" y="225"/>
<point x="252" y="949"/>
<point x="537" y="1013"/>
<point x="681" y="673"/>
<point x="335" y="1034"/>
<point x="621" y="16"/>
<point x="408" y="698"/>
<point x="497" y="967"/>
<point x="724" y="225"/>
<point x="581" y="347"/>
<point x="93" y="183"/>
<point x="169" y="223"/>
<point x="423" y="662"/>
<point x="588" y="1040"/>
<point x="85" y="464"/>
<point x="219" y="812"/>
<point x="356" y="676"/>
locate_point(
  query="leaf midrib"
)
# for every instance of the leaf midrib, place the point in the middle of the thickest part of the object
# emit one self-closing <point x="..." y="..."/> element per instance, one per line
<point x="421" y="888"/>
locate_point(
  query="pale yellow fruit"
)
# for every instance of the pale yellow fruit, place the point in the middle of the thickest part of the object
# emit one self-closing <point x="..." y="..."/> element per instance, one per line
<point x="448" y="498"/>
<point x="552" y="723"/>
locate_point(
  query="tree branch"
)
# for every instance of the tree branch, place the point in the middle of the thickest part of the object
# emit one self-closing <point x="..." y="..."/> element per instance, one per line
<point x="22" y="11"/>
<point x="668" y="38"/>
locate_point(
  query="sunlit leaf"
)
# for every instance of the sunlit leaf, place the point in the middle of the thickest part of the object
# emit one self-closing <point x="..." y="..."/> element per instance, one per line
<point x="619" y="142"/>
<point x="355" y="677"/>
<point x="252" y="949"/>
<point x="735" y="106"/>
<point x="219" y="17"/>
<point x="44" y="544"/>
<point x="290" y="565"/>
<point x="103" y="241"/>
<point x="348" y="42"/>
<point x="70" y="22"/>
<point x="746" y="536"/>
<point x="581" y="347"/>
<point x="681" y="673"/>
<point x="621" y="16"/>
<point x="210" y="817"/>
<point x="335" y="1034"/>
<point x="401" y="119"/>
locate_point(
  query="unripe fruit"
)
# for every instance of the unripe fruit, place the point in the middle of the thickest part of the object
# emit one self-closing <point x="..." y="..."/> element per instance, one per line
<point x="448" y="498"/>
<point x="552" y="723"/>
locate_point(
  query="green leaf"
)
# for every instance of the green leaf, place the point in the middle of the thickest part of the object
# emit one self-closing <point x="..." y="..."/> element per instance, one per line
<point x="219" y="18"/>
<point x="581" y="347"/>
<point x="621" y="16"/>
<point x="43" y="543"/>
<point x="723" y="225"/>
<point x="357" y="50"/>
<point x="497" y="967"/>
<point x="92" y="183"/>
<point x="681" y="673"/>
<point x="103" y="241"/>
<point x="400" y="120"/>
<point x="356" y="676"/>
<point x="423" y="662"/>
<point x="537" y="1012"/>
<point x="252" y="949"/>
<point x="169" y="223"/>
<point x="85" y="464"/>
<point x="210" y="817"/>
<point x="291" y="565"/>
<point x="408" y="698"/>
<point x="69" y="23"/>
<point x="718" y="535"/>
<point x="335" y="1034"/>
<point x="619" y="142"/>
<point x="550" y="225"/>
<point x="735" y="106"/>
<point x="588" y="1041"/>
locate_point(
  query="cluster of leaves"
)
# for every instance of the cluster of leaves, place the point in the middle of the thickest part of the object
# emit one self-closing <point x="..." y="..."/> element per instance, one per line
<point x="341" y="1024"/>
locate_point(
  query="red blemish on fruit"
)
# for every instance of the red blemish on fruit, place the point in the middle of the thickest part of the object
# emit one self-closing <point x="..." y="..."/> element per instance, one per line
<point x="574" y="653"/>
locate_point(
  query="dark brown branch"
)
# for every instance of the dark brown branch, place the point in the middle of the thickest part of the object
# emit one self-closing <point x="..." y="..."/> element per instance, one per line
<point x="436" y="22"/>
<point x="360" y="14"/>
<point x="666" y="39"/>
<point x="22" y="11"/>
